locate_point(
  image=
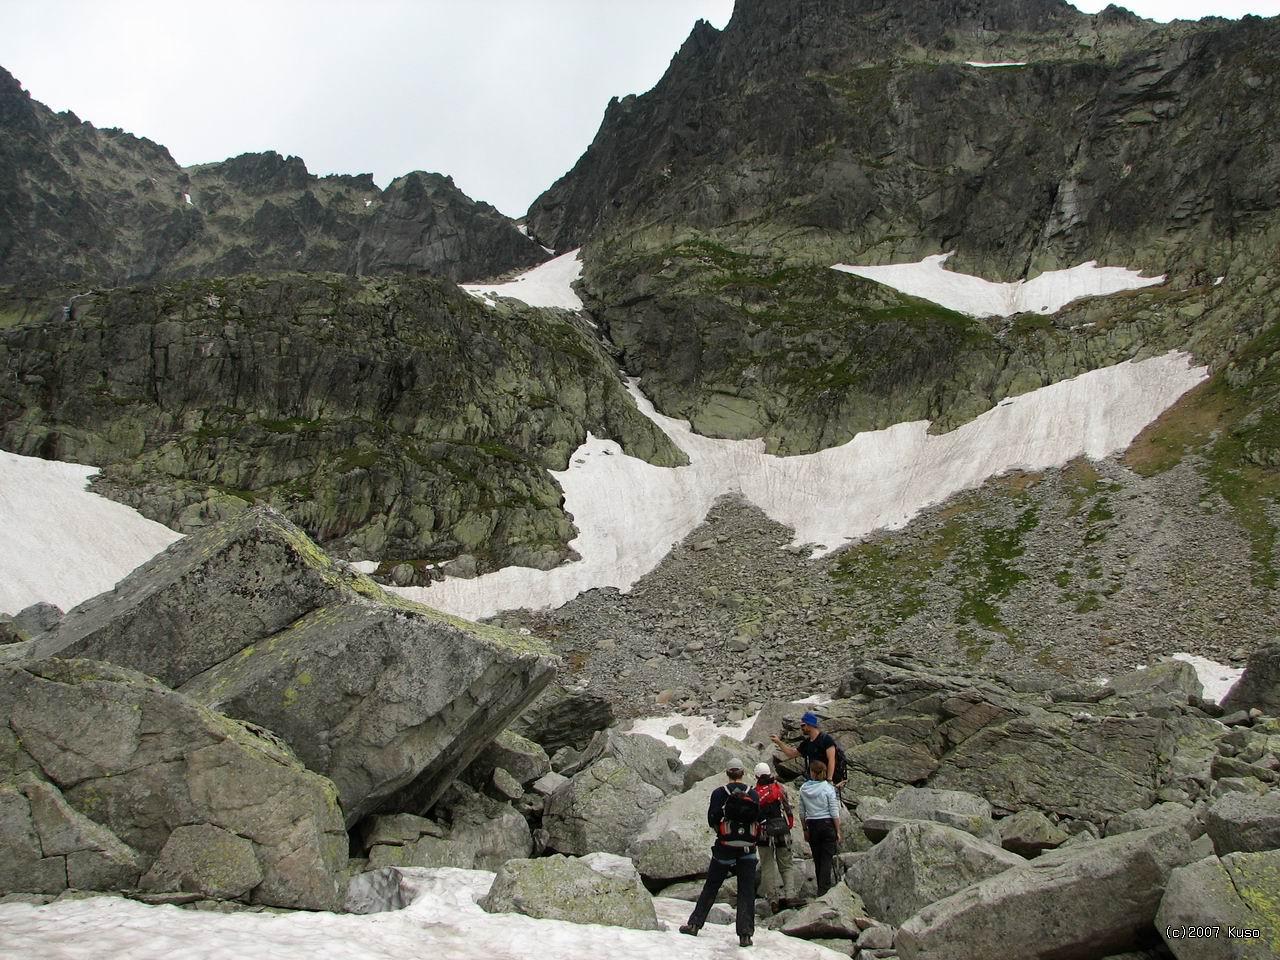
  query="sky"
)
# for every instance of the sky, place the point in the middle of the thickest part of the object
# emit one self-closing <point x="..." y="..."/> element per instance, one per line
<point x="504" y="95"/>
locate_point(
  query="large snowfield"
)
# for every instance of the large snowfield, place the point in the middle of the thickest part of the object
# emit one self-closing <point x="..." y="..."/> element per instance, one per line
<point x="442" y="922"/>
<point x="549" y="284"/>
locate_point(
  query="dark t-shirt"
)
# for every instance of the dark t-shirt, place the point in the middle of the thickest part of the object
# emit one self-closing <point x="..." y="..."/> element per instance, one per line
<point x="815" y="749"/>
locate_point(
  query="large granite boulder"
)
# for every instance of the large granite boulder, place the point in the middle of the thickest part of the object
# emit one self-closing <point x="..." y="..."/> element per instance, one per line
<point x="1082" y="901"/>
<point x="1238" y="894"/>
<point x="600" y="809"/>
<point x="954" y="808"/>
<point x="520" y="757"/>
<point x="834" y="914"/>
<point x="563" y="716"/>
<point x="150" y="766"/>
<point x="920" y="863"/>
<point x="1241" y="822"/>
<point x="675" y="842"/>
<point x="387" y="698"/>
<point x="1259" y="685"/>
<point x="714" y="760"/>
<point x="579" y="891"/>
<point x="656" y="763"/>
<point x="1030" y="833"/>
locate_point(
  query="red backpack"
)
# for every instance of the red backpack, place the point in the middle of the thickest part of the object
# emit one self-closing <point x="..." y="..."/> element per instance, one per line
<point x="775" y="811"/>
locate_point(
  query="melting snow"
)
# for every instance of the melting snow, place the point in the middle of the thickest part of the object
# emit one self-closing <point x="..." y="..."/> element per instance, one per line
<point x="59" y="542"/>
<point x="1216" y="678"/>
<point x="442" y="921"/>
<point x="703" y="732"/>
<point x="1218" y="281"/>
<point x="1002" y="63"/>
<point x="187" y="197"/>
<point x="630" y="513"/>
<point x="368" y="203"/>
<point x="962" y="292"/>
<point x="549" y="284"/>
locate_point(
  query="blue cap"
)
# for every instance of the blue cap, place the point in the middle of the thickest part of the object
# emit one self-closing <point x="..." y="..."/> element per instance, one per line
<point x="810" y="718"/>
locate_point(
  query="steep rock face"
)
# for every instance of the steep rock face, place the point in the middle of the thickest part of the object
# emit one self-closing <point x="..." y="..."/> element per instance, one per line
<point x="812" y="133"/>
<point x="398" y="418"/>
<point x="79" y="205"/>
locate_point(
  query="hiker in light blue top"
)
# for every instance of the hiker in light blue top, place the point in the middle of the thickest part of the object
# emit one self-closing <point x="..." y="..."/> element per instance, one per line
<point x="820" y="811"/>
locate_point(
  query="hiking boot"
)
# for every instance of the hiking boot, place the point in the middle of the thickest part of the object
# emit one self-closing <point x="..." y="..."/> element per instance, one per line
<point x="744" y="941"/>
<point x="690" y="929"/>
<point x="775" y="906"/>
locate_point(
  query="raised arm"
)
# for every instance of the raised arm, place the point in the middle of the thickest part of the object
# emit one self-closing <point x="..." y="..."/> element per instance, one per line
<point x="788" y="751"/>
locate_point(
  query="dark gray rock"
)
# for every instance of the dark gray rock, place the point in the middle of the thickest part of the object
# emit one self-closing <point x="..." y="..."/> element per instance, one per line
<point x="1259" y="685"/>
<point x="837" y="913"/>
<point x="37" y="618"/>
<point x="563" y="717"/>
<point x="1168" y="682"/>
<point x="523" y="759"/>
<point x="963" y="811"/>
<point x="1030" y="833"/>
<point x="600" y="809"/>
<point x="652" y="760"/>
<point x="207" y="860"/>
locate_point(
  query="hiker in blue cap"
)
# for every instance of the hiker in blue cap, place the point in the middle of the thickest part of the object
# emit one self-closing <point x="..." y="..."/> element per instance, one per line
<point x="815" y="745"/>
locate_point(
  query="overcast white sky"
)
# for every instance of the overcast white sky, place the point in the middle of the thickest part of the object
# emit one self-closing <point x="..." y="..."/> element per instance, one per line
<point x="504" y="95"/>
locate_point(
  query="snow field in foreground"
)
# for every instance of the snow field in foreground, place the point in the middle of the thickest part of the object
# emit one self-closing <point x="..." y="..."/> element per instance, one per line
<point x="965" y="293"/>
<point x="442" y="921"/>
<point x="546" y="285"/>
<point x="60" y="543"/>
<point x="629" y="513"/>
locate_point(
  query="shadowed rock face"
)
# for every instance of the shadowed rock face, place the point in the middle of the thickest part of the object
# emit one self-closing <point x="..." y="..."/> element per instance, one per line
<point x="389" y="699"/>
<point x="88" y="206"/>
<point x="397" y="417"/>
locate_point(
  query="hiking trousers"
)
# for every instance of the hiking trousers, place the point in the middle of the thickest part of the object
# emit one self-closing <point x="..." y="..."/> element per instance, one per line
<point x="719" y="870"/>
<point x="777" y="872"/>
<point x="822" y="841"/>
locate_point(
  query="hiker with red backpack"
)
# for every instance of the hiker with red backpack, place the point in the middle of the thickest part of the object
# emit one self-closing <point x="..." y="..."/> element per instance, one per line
<point x="734" y="815"/>
<point x="777" y="866"/>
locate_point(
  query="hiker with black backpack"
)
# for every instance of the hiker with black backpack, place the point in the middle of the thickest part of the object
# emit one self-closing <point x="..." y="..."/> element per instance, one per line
<point x="734" y="815"/>
<point x="777" y="866"/>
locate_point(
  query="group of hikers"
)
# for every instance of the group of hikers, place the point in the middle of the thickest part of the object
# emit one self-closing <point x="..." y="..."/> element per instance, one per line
<point x="753" y="829"/>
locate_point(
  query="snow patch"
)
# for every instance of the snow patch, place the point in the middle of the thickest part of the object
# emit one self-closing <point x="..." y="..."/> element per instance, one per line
<point x="1218" y="281"/>
<point x="549" y="284"/>
<point x="1000" y="63"/>
<point x="60" y="543"/>
<point x="630" y="513"/>
<point x="1216" y="678"/>
<point x="965" y="293"/>
<point x="368" y="203"/>
<point x="442" y="920"/>
<point x="187" y="197"/>
<point x="703" y="732"/>
<point x="365" y="566"/>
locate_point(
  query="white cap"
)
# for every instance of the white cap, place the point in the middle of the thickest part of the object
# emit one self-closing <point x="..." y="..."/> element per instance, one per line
<point x="763" y="770"/>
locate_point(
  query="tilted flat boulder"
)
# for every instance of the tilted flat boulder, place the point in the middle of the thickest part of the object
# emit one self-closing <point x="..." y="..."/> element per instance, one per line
<point x="920" y="863"/>
<point x="520" y="757"/>
<point x="1029" y="833"/>
<point x="964" y="811"/>
<point x="1259" y="685"/>
<point x="387" y="698"/>
<point x="656" y="763"/>
<point x="144" y="762"/>
<point x="1164" y="683"/>
<point x="676" y="841"/>
<point x="1237" y="891"/>
<point x="834" y="914"/>
<point x="563" y="717"/>
<point x="1093" y="768"/>
<point x="1076" y="903"/>
<point x="578" y="891"/>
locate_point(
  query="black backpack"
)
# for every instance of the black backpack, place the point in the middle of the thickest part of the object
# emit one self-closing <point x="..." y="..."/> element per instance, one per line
<point x="842" y="765"/>
<point x="740" y="819"/>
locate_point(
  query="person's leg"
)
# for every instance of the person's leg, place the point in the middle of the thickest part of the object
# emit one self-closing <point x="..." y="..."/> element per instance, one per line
<point x="746" y="871"/>
<point x="823" y="837"/>
<point x="786" y="869"/>
<point x="770" y="877"/>
<point x="716" y="872"/>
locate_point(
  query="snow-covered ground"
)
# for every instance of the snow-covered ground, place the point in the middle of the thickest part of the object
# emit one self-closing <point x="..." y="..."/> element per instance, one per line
<point x="965" y="293"/>
<point x="703" y="732"/>
<point x="59" y="542"/>
<point x="630" y="513"/>
<point x="546" y="285"/>
<point x="998" y="63"/>
<point x="442" y="922"/>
